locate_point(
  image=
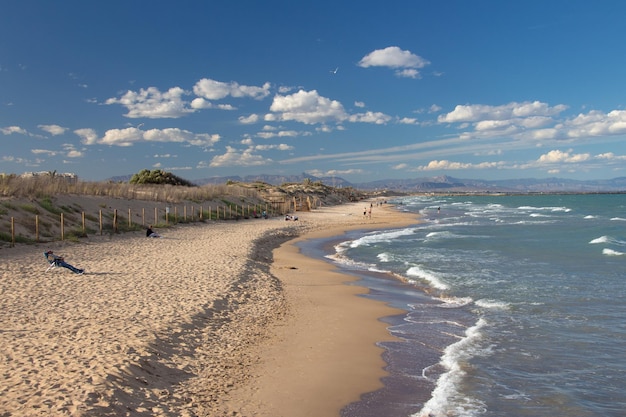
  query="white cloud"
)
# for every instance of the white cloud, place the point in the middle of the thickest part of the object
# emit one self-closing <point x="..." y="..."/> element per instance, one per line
<point x="88" y="136"/>
<point x="247" y="120"/>
<point x="153" y="104"/>
<point x="279" y="134"/>
<point x="557" y="156"/>
<point x="370" y="117"/>
<point x="450" y="165"/>
<point x="333" y="172"/>
<point x="234" y="157"/>
<point x="408" y="121"/>
<point x="13" y="129"/>
<point x="132" y="135"/>
<point x="199" y="103"/>
<point x="54" y="130"/>
<point x="307" y="107"/>
<point x="216" y="90"/>
<point x="392" y="57"/>
<point x="359" y="104"/>
<point x="279" y="147"/>
<point x="43" y="152"/>
<point x="480" y="112"/>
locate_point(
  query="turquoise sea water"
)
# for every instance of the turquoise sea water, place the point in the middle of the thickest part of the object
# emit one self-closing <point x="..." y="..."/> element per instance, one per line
<point x="516" y="306"/>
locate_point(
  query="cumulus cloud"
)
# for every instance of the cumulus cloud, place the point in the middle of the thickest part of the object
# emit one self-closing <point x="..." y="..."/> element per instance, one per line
<point x="406" y="63"/>
<point x="310" y="108"/>
<point x="9" y="130"/>
<point x="370" y="117"/>
<point x="54" y="130"/>
<point x="216" y="90"/>
<point x="153" y="104"/>
<point x="513" y="110"/>
<point x="235" y="157"/>
<point x="557" y="156"/>
<point x="307" y="107"/>
<point x="132" y="135"/>
<point x="451" y="165"/>
<point x="333" y="172"/>
<point x="248" y="120"/>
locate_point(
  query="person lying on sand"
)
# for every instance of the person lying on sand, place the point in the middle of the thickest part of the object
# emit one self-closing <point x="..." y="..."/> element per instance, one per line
<point x="59" y="261"/>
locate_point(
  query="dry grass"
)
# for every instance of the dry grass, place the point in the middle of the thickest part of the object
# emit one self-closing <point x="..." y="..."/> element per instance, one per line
<point x="45" y="186"/>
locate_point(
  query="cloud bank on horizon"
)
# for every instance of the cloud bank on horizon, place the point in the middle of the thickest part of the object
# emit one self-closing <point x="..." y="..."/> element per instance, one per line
<point x="437" y="89"/>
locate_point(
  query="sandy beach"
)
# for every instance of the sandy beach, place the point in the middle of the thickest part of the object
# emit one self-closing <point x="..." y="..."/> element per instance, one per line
<point x="214" y="319"/>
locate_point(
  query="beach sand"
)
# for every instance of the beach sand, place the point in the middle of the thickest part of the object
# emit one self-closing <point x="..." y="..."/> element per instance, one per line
<point x="209" y="320"/>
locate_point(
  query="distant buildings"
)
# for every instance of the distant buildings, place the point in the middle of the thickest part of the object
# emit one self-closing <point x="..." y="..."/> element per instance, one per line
<point x="68" y="176"/>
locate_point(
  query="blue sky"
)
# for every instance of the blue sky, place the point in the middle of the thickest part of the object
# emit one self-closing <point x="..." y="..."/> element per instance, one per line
<point x="361" y="90"/>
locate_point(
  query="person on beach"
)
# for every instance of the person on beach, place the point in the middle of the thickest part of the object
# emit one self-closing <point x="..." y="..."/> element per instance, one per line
<point x="59" y="261"/>
<point x="151" y="233"/>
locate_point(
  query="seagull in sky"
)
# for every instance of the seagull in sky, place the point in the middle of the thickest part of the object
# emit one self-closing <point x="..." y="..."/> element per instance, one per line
<point x="334" y="71"/>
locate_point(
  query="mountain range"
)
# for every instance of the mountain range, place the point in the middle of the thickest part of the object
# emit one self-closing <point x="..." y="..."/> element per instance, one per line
<point x="435" y="184"/>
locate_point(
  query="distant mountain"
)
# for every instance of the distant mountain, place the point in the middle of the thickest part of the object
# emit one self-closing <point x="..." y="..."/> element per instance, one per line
<point x="526" y="185"/>
<point x="276" y="179"/>
<point x="433" y="184"/>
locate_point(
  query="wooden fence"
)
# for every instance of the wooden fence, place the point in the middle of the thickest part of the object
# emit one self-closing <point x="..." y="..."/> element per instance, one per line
<point x="113" y="221"/>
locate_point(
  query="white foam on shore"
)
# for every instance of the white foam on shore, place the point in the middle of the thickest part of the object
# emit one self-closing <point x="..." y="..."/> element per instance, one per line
<point x="446" y="399"/>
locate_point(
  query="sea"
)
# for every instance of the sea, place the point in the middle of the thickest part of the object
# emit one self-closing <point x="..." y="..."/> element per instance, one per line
<point x="515" y="305"/>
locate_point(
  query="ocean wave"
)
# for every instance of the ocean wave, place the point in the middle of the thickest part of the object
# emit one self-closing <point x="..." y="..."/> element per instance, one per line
<point x="553" y="209"/>
<point x="345" y="261"/>
<point x="611" y="252"/>
<point x="384" y="257"/>
<point x="492" y="304"/>
<point x="618" y="219"/>
<point x="434" y="280"/>
<point x="608" y="240"/>
<point x="377" y="237"/>
<point x="455" y="302"/>
<point x="445" y="396"/>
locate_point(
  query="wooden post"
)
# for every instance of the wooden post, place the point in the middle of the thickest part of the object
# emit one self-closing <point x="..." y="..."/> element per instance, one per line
<point x="143" y="216"/>
<point x="84" y="225"/>
<point x="12" y="232"/>
<point x="156" y="216"/>
<point x="185" y="213"/>
<point x="37" y="228"/>
<point x="130" y="222"/>
<point x="175" y="214"/>
<point x="62" y="228"/>
<point x="115" y="221"/>
<point x="210" y="213"/>
<point x="100" y="222"/>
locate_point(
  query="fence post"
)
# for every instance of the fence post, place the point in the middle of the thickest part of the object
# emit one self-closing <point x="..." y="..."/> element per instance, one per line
<point x="84" y="225"/>
<point x="129" y="219"/>
<point x="156" y="216"/>
<point x="115" y="221"/>
<point x="62" y="228"/>
<point x="100" y="222"/>
<point x="37" y="228"/>
<point x="12" y="232"/>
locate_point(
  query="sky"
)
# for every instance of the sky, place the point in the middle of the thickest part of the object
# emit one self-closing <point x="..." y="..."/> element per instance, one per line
<point x="363" y="90"/>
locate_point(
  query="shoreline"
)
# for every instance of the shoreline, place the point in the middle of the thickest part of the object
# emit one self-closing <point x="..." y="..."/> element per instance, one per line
<point x="324" y="355"/>
<point x="179" y="326"/>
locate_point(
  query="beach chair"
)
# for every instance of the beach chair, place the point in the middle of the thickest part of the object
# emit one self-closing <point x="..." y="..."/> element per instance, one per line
<point x="51" y="263"/>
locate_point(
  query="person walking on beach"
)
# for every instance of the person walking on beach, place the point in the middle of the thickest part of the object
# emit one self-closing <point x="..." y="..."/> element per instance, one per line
<point x="59" y="261"/>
